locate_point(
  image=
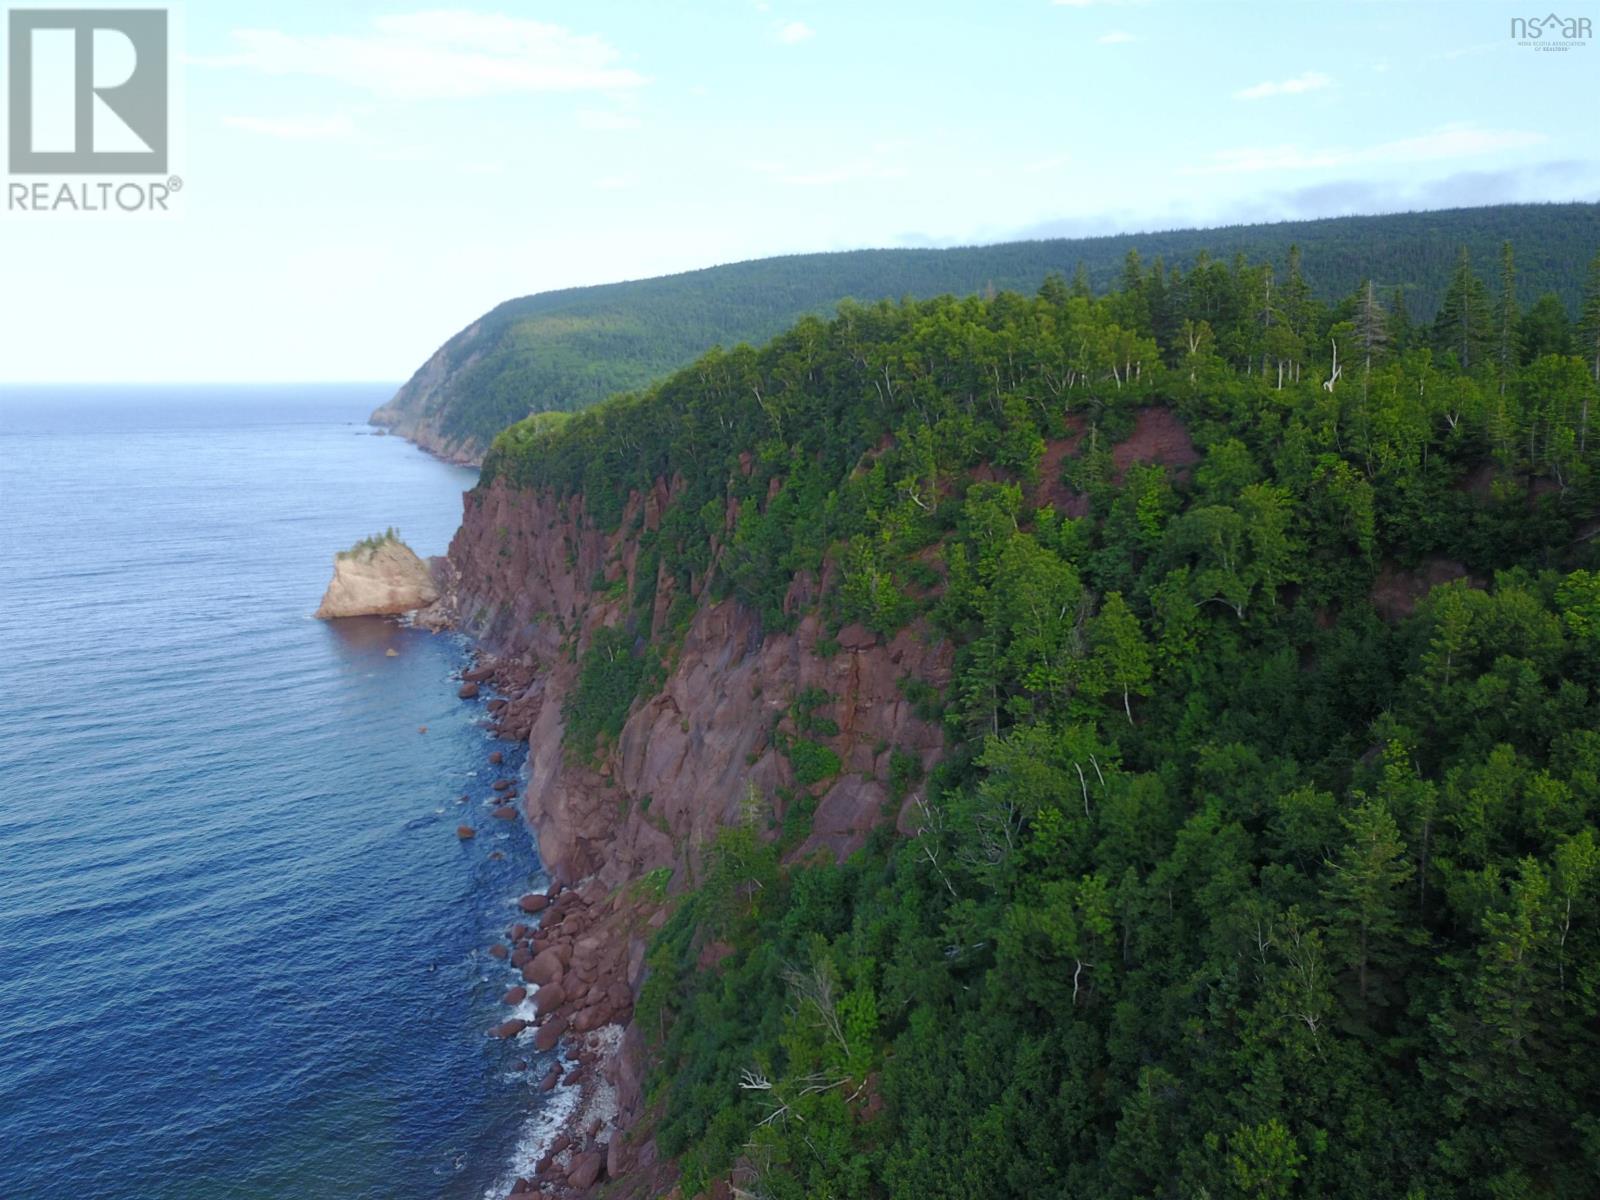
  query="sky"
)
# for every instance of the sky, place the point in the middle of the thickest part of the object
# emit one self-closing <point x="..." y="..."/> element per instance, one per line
<point x="362" y="180"/>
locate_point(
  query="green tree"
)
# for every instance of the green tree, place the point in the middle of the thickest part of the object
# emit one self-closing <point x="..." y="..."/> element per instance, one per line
<point x="1589" y="320"/>
<point x="1545" y="329"/>
<point x="1264" y="1160"/>
<point x="1365" y="889"/>
<point x="1462" y="326"/>
<point x="1121" y="655"/>
<point x="1506" y="318"/>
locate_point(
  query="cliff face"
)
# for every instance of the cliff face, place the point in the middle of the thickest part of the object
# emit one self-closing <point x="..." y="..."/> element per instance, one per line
<point x="377" y="580"/>
<point x="520" y="570"/>
<point x="418" y="408"/>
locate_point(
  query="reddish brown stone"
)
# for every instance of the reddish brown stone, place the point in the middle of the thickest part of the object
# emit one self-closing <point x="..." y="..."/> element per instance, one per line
<point x="533" y="902"/>
<point x="508" y="1029"/>
<point x="500" y="785"/>
<point x="549" y="1034"/>
<point x="467" y="691"/>
<point x="551" y="1078"/>
<point x="514" y="995"/>
<point x="498" y="951"/>
<point x="465" y="832"/>
<point x="505" y="812"/>
<point x="549" y="998"/>
<point x="496" y="758"/>
<point x="546" y="967"/>
<point x="585" y="1169"/>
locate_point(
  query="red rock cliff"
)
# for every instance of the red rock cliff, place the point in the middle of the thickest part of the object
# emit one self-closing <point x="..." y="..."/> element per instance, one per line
<point x="518" y="578"/>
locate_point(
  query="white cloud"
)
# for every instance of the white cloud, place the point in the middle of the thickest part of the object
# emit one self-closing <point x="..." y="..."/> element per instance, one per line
<point x="439" y="55"/>
<point x="795" y="32"/>
<point x="606" y="122"/>
<point x="1091" y="3"/>
<point x="1117" y="37"/>
<point x="1311" y="81"/>
<point x="1447" y="142"/>
<point x="296" y="129"/>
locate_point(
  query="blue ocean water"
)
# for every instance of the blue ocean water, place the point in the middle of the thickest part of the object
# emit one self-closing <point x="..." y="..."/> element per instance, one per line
<point x="241" y="947"/>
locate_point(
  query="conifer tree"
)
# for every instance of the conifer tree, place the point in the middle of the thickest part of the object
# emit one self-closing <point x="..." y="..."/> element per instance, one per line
<point x="1589" y="320"/>
<point x="1462" y="326"/>
<point x="1365" y="889"/>
<point x="1372" y="326"/>
<point x="1506" y="318"/>
<point x="1401" y="329"/>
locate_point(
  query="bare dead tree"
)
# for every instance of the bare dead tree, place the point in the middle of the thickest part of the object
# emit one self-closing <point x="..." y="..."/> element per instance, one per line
<point x="928" y="833"/>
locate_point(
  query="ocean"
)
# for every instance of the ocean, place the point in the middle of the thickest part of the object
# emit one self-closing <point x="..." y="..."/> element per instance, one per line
<point x="242" y="951"/>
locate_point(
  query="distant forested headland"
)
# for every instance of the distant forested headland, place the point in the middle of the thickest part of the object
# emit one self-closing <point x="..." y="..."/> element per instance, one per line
<point x="565" y="350"/>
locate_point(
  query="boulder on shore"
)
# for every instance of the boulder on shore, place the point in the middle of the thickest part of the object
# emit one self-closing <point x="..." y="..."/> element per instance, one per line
<point x="585" y="1170"/>
<point x="377" y="577"/>
<point x="546" y="967"/>
<point x="549" y="998"/>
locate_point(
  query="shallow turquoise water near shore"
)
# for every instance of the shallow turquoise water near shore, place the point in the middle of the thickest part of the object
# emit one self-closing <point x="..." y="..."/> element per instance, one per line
<point x="241" y="948"/>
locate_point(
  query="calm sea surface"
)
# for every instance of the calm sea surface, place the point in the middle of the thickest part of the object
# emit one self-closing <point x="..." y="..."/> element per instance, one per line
<point x="241" y="948"/>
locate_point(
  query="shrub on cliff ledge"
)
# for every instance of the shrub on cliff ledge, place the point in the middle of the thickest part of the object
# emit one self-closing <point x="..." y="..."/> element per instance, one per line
<point x="370" y="545"/>
<point x="608" y="680"/>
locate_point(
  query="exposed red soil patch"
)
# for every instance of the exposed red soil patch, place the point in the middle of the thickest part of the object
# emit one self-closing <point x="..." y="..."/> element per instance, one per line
<point x="1158" y="437"/>
<point x="1395" y="591"/>
<point x="1051" y="490"/>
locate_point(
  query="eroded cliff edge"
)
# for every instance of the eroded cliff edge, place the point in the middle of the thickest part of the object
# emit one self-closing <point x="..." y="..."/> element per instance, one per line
<point x="418" y="410"/>
<point x="533" y="579"/>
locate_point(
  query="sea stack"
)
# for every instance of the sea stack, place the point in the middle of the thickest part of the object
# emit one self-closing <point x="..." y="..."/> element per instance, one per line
<point x="378" y="576"/>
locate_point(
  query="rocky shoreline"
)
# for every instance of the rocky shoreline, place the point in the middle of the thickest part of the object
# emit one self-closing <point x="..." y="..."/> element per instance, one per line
<point x="522" y="578"/>
<point x="572" y="982"/>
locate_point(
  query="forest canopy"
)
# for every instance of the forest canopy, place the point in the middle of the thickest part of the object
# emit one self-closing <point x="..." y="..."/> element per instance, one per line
<point x="565" y="350"/>
<point x="1263" y="860"/>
